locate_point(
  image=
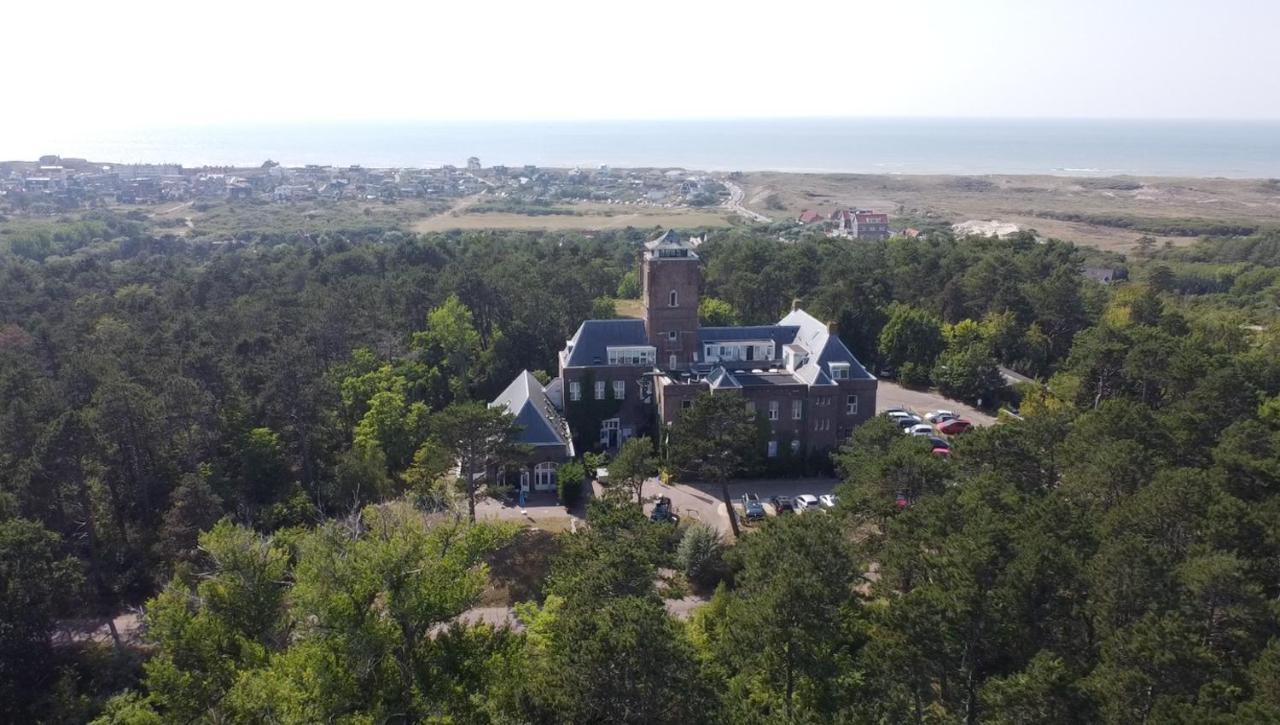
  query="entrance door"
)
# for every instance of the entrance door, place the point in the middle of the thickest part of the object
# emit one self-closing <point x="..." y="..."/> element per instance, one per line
<point x="524" y="481"/>
<point x="609" y="430"/>
<point x="544" y="477"/>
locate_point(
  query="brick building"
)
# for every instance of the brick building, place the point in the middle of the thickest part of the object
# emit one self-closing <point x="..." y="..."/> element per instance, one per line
<point x="860" y="224"/>
<point x="622" y="378"/>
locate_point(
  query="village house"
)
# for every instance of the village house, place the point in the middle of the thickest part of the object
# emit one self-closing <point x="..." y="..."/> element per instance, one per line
<point x="860" y="224"/>
<point x="621" y="378"/>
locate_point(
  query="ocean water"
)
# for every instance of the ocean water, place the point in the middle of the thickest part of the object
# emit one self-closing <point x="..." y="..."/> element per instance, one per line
<point x="1240" y="149"/>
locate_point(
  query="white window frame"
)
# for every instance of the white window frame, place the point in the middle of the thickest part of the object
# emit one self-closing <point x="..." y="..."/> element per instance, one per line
<point x="575" y="391"/>
<point x="772" y="450"/>
<point x="773" y="410"/>
<point x="600" y="390"/>
<point x="674" y="360"/>
<point x="795" y="446"/>
<point x="851" y="404"/>
<point x="673" y="335"/>
<point x="619" y="389"/>
<point x="797" y="409"/>
<point x="839" y="371"/>
<point x="545" y="474"/>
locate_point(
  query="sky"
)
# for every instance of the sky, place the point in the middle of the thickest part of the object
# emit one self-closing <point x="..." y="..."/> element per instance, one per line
<point x="131" y="64"/>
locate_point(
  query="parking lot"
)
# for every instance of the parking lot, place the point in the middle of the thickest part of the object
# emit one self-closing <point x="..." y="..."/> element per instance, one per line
<point x="891" y="395"/>
<point x="701" y="502"/>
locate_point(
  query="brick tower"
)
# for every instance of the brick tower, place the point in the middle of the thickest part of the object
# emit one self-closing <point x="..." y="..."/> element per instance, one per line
<point x="671" y="277"/>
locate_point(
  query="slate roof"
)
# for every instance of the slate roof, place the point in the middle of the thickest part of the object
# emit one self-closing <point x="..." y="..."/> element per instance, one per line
<point x="824" y="349"/>
<point x="526" y="399"/>
<point x="590" y="344"/>
<point x="780" y="334"/>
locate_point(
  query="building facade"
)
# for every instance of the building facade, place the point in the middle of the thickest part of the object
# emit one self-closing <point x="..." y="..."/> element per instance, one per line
<point x="627" y="377"/>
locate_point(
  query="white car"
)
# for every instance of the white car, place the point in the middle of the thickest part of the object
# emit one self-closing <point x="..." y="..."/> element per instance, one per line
<point x="828" y="500"/>
<point x="920" y="429"/>
<point x="939" y="416"/>
<point x="804" y="502"/>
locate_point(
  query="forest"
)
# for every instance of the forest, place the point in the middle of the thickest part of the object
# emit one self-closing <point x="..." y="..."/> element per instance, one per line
<point x="252" y="440"/>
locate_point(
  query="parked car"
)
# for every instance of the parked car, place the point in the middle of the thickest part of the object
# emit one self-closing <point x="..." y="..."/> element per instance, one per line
<point x="751" y="506"/>
<point x="828" y="500"/>
<point x="901" y="501"/>
<point x="898" y="414"/>
<point x="939" y="416"/>
<point x="804" y="502"/>
<point x="920" y="429"/>
<point x="782" y="505"/>
<point x="662" y="511"/>
<point x="937" y="442"/>
<point x="955" y="426"/>
<point x="905" y="423"/>
<point x="941" y="452"/>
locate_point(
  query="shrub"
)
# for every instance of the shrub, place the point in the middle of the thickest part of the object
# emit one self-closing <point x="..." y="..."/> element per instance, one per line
<point x="701" y="555"/>
<point x="913" y="375"/>
<point x="569" y="480"/>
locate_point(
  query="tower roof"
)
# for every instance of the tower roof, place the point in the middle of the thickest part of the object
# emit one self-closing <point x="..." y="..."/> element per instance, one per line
<point x="670" y="244"/>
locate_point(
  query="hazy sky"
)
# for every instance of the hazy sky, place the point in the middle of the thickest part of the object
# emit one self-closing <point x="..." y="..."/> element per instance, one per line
<point x="77" y="64"/>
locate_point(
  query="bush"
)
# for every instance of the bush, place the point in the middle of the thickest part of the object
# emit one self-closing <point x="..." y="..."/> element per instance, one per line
<point x="912" y="375"/>
<point x="701" y="555"/>
<point x="569" y="480"/>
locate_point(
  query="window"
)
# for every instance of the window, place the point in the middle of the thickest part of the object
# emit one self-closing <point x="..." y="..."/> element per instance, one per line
<point x="751" y="407"/>
<point x="673" y="300"/>
<point x="797" y="409"/>
<point x="575" y="391"/>
<point x="851" y="405"/>
<point x="795" y="445"/>
<point x="686" y="404"/>
<point x="673" y="362"/>
<point x="619" y="389"/>
<point x="773" y="410"/>
<point x="822" y="424"/>
<point x="544" y="476"/>
<point x="823" y="400"/>
<point x="839" y="371"/>
<point x="673" y="335"/>
<point x="599" y="390"/>
<point x="773" y="449"/>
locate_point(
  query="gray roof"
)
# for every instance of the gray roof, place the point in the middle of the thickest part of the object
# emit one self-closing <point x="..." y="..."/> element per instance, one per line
<point x="590" y="344"/>
<point x="824" y="349"/>
<point x="526" y="399"/>
<point x="780" y="334"/>
<point x="670" y="239"/>
<point x="721" y="379"/>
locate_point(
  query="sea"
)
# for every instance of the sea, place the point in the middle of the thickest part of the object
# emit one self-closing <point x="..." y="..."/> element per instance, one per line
<point x="1233" y="149"/>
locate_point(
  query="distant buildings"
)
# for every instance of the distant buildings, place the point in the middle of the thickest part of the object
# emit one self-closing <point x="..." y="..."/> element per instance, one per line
<point x="860" y="224"/>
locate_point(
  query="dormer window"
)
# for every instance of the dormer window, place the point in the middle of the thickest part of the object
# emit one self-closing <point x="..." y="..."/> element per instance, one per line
<point x="673" y="300"/>
<point x="839" y="371"/>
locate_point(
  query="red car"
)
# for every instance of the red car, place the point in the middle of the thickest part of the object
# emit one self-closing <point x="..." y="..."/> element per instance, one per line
<point x="955" y="427"/>
<point x="942" y="452"/>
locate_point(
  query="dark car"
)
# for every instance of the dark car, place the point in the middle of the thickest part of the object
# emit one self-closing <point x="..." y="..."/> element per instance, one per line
<point x="936" y="442"/>
<point x="782" y="505"/>
<point x="754" y="510"/>
<point x="662" y="511"/>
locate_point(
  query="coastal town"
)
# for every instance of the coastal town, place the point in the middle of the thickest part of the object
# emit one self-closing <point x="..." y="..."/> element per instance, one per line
<point x="53" y="184"/>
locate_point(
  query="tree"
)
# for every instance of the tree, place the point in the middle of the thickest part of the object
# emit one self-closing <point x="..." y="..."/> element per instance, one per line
<point x="451" y="337"/>
<point x="968" y="373"/>
<point x="478" y="437"/>
<point x="716" y="313"/>
<point x="911" y="336"/>
<point x="36" y="584"/>
<point x="629" y="287"/>
<point x="633" y="465"/>
<point x="781" y="637"/>
<point x="603" y="308"/>
<point x="700" y="554"/>
<point x="713" y="440"/>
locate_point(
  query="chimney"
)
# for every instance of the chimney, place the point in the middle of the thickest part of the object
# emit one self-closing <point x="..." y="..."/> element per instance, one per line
<point x="831" y="327"/>
<point x="795" y="304"/>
